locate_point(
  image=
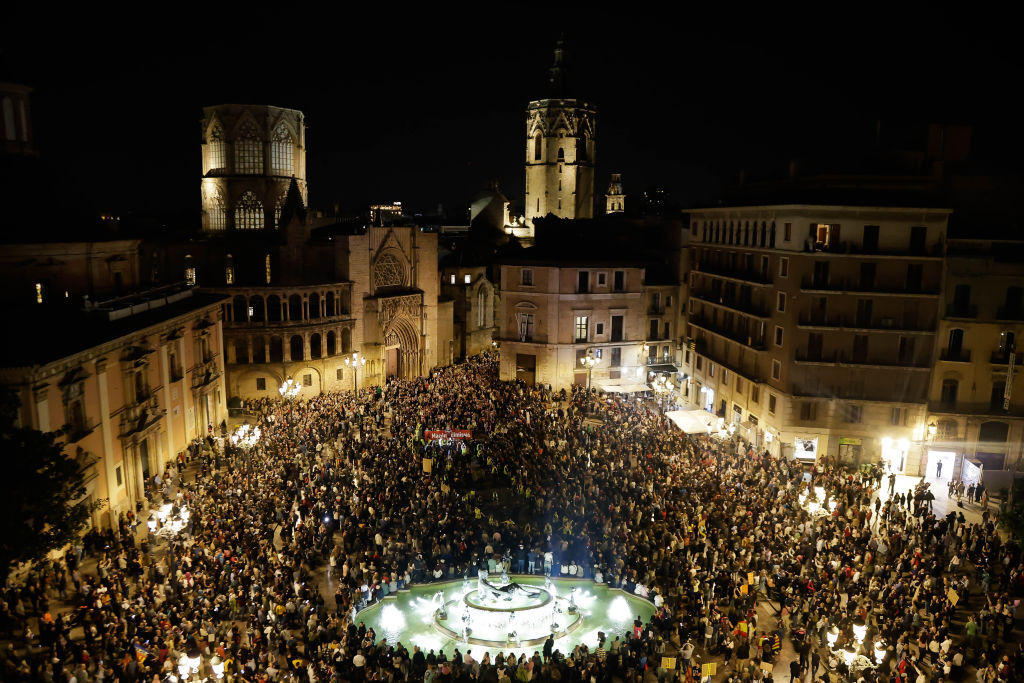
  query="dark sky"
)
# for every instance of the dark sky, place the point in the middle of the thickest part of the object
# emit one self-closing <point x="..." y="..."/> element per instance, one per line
<point x="427" y="106"/>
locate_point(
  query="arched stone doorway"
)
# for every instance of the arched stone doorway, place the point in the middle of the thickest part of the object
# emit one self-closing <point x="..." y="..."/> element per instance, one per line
<point x="401" y="350"/>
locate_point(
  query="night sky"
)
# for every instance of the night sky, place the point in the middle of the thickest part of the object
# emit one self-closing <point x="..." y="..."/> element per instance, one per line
<point x="426" y="107"/>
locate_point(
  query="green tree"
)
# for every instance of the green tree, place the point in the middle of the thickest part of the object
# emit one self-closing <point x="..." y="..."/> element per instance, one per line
<point x="41" y="491"/>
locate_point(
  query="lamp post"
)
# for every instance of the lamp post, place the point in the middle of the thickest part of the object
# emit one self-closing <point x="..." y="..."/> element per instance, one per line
<point x="289" y="389"/>
<point x="662" y="386"/>
<point x="355" y="362"/>
<point x="589" y="361"/>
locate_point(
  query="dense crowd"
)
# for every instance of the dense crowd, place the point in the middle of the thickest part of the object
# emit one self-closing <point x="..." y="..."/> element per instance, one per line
<point x="577" y="484"/>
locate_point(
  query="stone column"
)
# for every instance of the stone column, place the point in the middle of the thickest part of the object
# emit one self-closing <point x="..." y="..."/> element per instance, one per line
<point x="113" y="492"/>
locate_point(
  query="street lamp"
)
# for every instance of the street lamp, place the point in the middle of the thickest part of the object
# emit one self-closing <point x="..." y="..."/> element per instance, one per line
<point x="589" y="361"/>
<point x="662" y="386"/>
<point x="355" y="362"/>
<point x="932" y="429"/>
<point x="289" y="388"/>
<point x="245" y="436"/>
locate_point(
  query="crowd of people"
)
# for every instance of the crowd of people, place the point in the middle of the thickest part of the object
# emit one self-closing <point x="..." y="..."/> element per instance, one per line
<point x="723" y="540"/>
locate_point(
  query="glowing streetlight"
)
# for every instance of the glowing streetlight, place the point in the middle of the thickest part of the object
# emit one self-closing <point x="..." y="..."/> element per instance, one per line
<point x="355" y="362"/>
<point x="289" y="389"/>
<point x="589" y="361"/>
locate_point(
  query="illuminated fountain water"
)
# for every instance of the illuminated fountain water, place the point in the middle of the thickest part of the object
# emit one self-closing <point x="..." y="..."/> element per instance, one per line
<point x="504" y="612"/>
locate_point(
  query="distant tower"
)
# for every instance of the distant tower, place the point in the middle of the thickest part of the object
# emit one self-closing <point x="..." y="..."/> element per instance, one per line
<point x="615" y="201"/>
<point x="560" y="152"/>
<point x="250" y="155"/>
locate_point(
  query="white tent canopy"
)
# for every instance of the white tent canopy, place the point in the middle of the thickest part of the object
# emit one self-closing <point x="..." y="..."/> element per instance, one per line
<point x="626" y="388"/>
<point x="692" y="421"/>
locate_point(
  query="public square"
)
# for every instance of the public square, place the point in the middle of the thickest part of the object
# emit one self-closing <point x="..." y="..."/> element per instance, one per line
<point x="317" y="552"/>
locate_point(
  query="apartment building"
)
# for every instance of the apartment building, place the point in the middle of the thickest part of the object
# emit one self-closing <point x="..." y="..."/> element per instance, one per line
<point x="975" y="408"/>
<point x="814" y="326"/>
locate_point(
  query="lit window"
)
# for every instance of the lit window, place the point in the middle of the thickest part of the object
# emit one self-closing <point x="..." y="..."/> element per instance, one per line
<point x="39" y="292"/>
<point x="248" y="213"/>
<point x="248" y="150"/>
<point x="582" y="327"/>
<point x="215" y="156"/>
<point x="216" y="216"/>
<point x="453" y="278"/>
<point x="278" y="205"/>
<point x="267" y="267"/>
<point x="468" y="279"/>
<point x="190" y="276"/>
<point x="282" y="150"/>
<point x="229" y="275"/>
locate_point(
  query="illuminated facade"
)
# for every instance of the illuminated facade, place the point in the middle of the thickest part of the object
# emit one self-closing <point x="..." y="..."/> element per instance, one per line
<point x="814" y="326"/>
<point x="138" y="381"/>
<point x="250" y="153"/>
<point x="976" y="397"/>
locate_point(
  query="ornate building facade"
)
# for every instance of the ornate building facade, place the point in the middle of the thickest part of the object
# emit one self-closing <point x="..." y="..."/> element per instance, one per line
<point x="301" y="300"/>
<point x="250" y="153"/>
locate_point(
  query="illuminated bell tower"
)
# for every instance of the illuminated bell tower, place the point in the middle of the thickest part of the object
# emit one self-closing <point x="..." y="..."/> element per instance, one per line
<point x="560" y="152"/>
<point x="614" y="200"/>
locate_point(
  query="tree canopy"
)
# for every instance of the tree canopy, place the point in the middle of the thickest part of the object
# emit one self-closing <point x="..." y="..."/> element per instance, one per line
<point x="42" y="492"/>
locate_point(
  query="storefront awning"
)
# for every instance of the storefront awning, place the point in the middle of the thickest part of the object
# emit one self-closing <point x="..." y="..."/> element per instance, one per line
<point x="692" y="421"/>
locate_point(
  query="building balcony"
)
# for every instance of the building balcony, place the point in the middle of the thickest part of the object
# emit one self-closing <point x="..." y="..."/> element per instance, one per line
<point x="204" y="374"/>
<point x="1010" y="314"/>
<point x="961" y="356"/>
<point x="745" y="307"/>
<point x="842" y="322"/>
<point x="1002" y="357"/>
<point x="955" y="311"/>
<point x="655" y="310"/>
<point x="746" y="371"/>
<point x="982" y="410"/>
<point x="76" y="433"/>
<point x="805" y="357"/>
<point x="275" y="324"/>
<point x="756" y="343"/>
<point x="735" y="274"/>
<point x="838" y="285"/>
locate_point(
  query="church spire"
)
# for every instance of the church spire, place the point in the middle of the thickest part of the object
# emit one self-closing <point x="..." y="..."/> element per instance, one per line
<point x="293" y="206"/>
<point x="556" y="80"/>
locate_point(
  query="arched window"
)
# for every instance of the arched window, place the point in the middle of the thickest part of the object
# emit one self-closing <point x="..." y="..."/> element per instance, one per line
<point x="295" y="307"/>
<point x="332" y="344"/>
<point x="241" y="351"/>
<point x="346" y="340"/>
<point x="295" y="347"/>
<point x="273" y="308"/>
<point x="276" y="350"/>
<point x="329" y="304"/>
<point x="216" y="159"/>
<point x="282" y="151"/>
<point x="216" y="215"/>
<point x="581" y="148"/>
<point x="481" y="308"/>
<point x="259" y="350"/>
<point x="248" y="150"/>
<point x="538" y="143"/>
<point x="266" y="267"/>
<point x="190" y="271"/>
<point x="240" y="309"/>
<point x="315" y="350"/>
<point x="256" y="304"/>
<point x="229" y="270"/>
<point x="561" y="154"/>
<point x="278" y="205"/>
<point x="314" y="306"/>
<point x="248" y="213"/>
